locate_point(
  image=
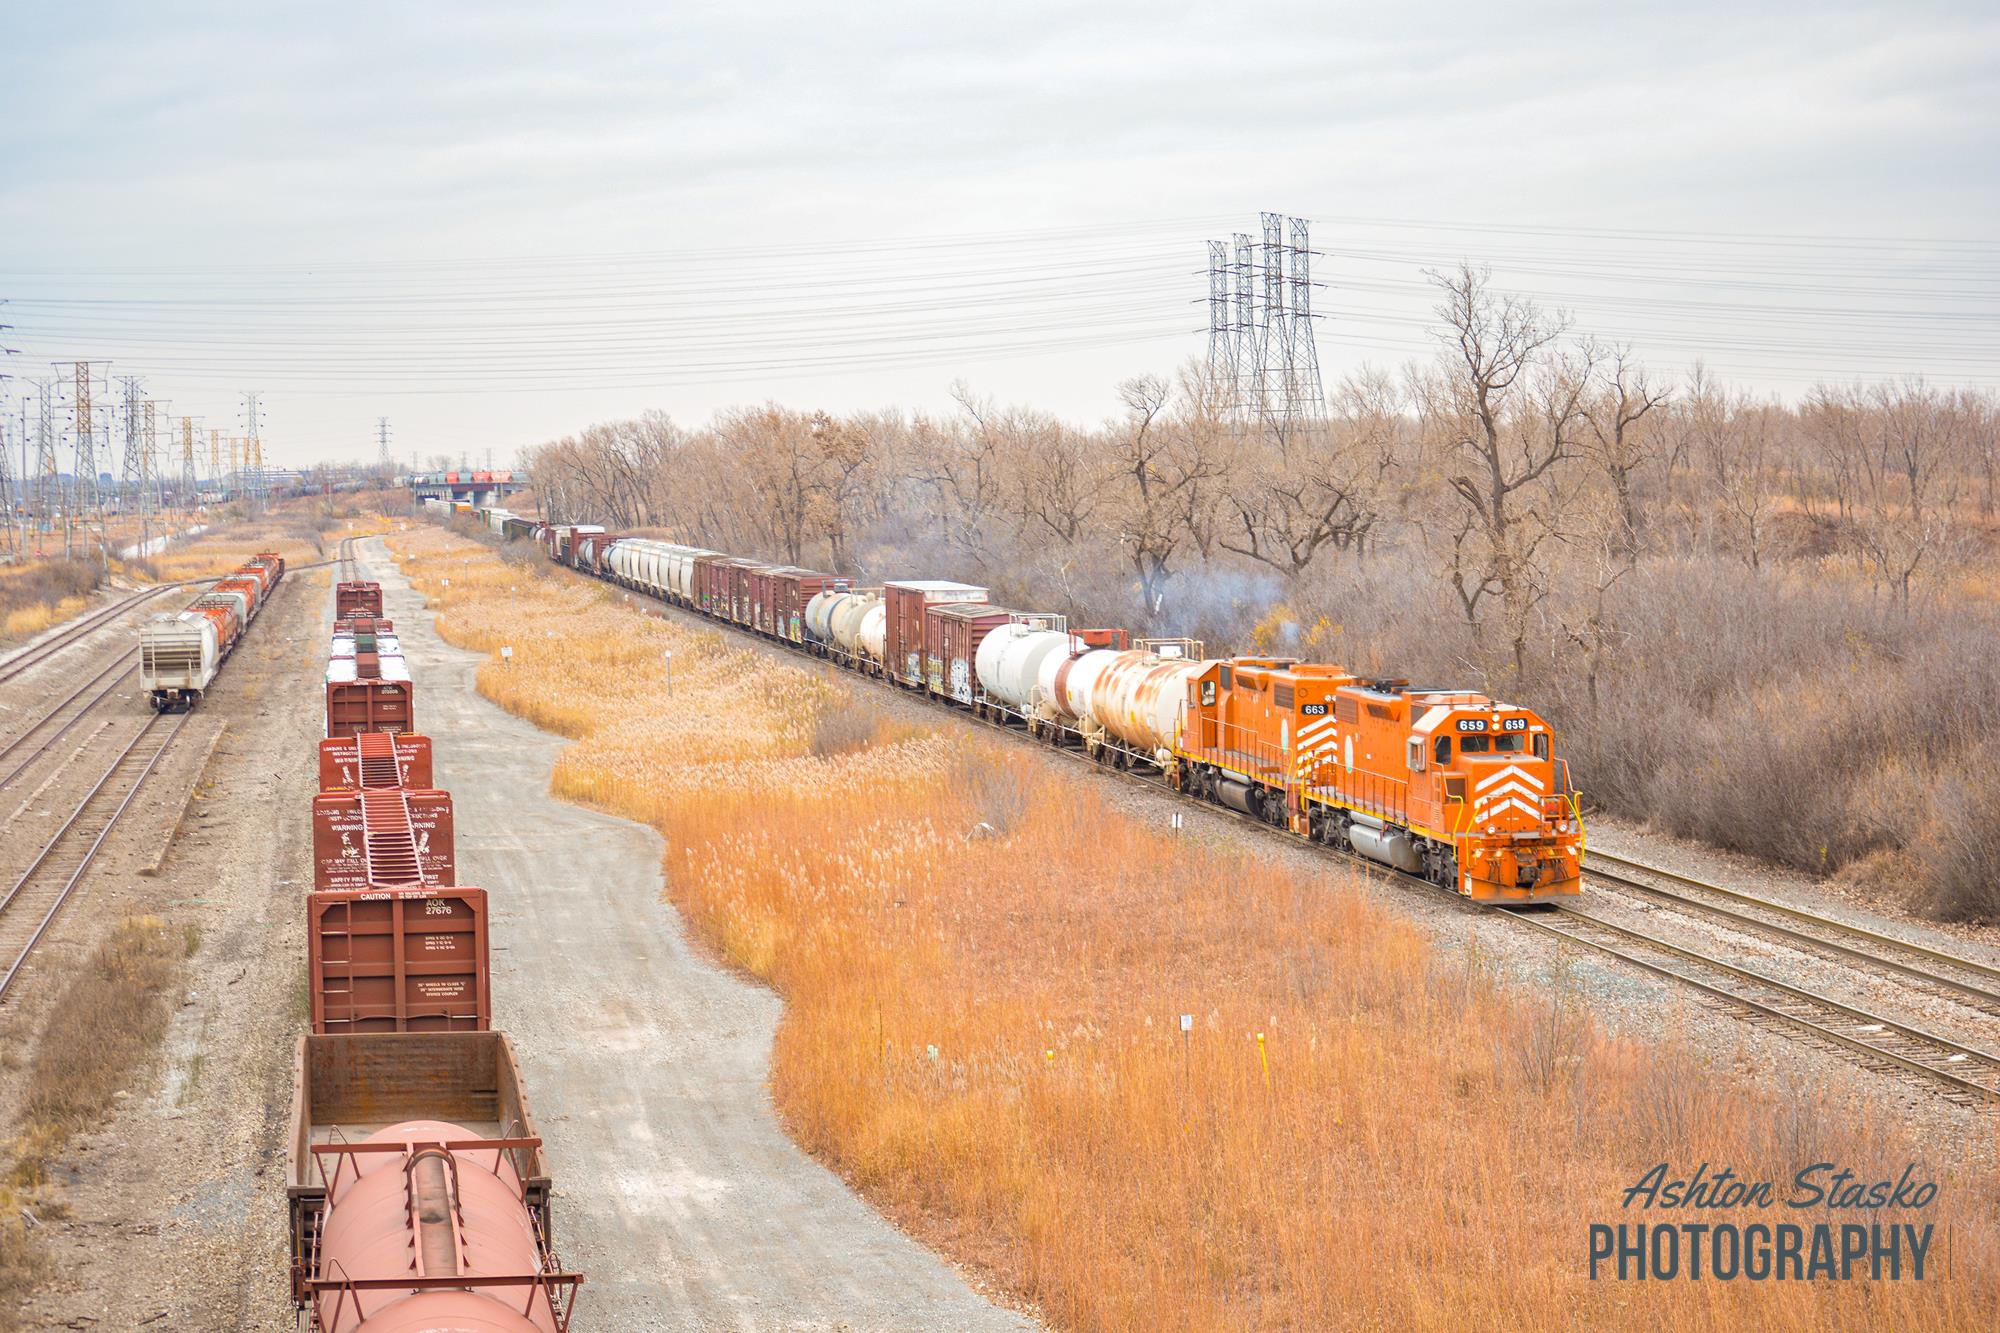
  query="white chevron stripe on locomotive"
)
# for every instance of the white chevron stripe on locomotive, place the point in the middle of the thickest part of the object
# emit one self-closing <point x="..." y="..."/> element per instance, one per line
<point x="1314" y="728"/>
<point x="1513" y="771"/>
<point x="1513" y="787"/>
<point x="1512" y="802"/>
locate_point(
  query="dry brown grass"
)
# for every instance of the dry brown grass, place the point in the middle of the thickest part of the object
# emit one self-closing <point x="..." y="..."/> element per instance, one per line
<point x="35" y="594"/>
<point x="982" y="1032"/>
<point x="101" y="1030"/>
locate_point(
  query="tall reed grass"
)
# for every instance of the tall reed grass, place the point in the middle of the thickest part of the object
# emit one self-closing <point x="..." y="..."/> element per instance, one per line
<point x="983" y="1026"/>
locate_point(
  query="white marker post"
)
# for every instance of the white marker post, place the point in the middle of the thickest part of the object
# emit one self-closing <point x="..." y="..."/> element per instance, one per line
<point x="669" y="655"/>
<point x="507" y="653"/>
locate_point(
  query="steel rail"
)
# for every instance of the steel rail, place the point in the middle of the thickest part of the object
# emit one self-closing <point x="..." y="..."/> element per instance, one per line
<point x="1529" y="915"/>
<point x="1954" y="1052"/>
<point x="62" y="896"/>
<point x="1810" y="918"/>
<point x="37" y="653"/>
<point x="121" y="664"/>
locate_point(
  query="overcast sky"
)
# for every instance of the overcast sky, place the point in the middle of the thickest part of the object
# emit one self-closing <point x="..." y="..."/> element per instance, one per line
<point x="496" y="223"/>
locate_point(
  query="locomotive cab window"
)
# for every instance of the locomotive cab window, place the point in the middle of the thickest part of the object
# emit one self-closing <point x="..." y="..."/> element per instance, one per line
<point x="1508" y="744"/>
<point x="1542" y="746"/>
<point x="1473" y="745"/>
<point x="1441" y="748"/>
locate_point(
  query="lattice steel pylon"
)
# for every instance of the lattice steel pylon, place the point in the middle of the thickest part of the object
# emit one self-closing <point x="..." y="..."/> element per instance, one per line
<point x="1221" y="330"/>
<point x="48" y="468"/>
<point x="1261" y="342"/>
<point x="83" y="438"/>
<point x="190" y="474"/>
<point x="7" y="477"/>
<point x="1308" y="394"/>
<point x="1247" y="400"/>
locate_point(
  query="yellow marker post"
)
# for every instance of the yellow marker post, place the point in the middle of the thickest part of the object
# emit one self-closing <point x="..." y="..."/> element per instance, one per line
<point x="1264" y="1060"/>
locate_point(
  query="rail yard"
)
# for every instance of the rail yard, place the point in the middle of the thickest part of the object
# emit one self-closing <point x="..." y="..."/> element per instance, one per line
<point x="431" y="1033"/>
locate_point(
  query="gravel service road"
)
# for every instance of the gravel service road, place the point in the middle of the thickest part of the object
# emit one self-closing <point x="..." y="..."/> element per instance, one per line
<point x="678" y="1192"/>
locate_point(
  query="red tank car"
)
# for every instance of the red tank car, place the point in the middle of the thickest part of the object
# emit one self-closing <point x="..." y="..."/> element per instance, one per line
<point x="439" y="1219"/>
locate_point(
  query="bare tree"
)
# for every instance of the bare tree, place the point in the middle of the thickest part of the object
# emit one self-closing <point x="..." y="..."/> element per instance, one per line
<point x="1502" y="412"/>
<point x="1617" y="442"/>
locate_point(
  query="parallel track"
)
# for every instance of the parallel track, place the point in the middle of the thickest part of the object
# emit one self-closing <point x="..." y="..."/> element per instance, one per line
<point x="1964" y="1074"/>
<point x="64" y="714"/>
<point x="1848" y="943"/>
<point x="37" y="897"/>
<point x="35" y="654"/>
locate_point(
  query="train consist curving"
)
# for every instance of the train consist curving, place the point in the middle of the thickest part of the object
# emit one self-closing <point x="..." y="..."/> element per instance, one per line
<point x="180" y="653"/>
<point x="418" y="1192"/>
<point x="1452" y="785"/>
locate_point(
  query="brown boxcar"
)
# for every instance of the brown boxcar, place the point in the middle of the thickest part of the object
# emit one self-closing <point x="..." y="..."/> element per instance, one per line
<point x="368" y="693"/>
<point x="790" y="589"/>
<point x="359" y="598"/>
<point x="952" y="631"/>
<point x="763" y="597"/>
<point x="468" y="1079"/>
<point x="903" y="630"/>
<point x="375" y="759"/>
<point x="382" y="838"/>
<point x="399" y="960"/>
<point x="711" y="583"/>
<point x="740" y="600"/>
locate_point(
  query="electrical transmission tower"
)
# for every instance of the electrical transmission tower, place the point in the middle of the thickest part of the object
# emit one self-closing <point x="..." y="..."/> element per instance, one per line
<point x="382" y="443"/>
<point x="87" y="498"/>
<point x="253" y="448"/>
<point x="7" y="478"/>
<point x="1261" y="344"/>
<point x="48" y="469"/>
<point x="190" y="474"/>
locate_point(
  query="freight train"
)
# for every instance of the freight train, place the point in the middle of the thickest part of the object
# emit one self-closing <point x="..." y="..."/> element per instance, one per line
<point x="418" y="1193"/>
<point x="180" y="653"/>
<point x="1452" y="785"/>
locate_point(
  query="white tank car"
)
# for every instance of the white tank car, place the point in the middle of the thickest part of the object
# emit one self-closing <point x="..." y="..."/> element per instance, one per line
<point x="1010" y="661"/>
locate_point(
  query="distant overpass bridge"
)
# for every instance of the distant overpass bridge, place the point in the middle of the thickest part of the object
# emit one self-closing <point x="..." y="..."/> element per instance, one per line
<point x="467" y="488"/>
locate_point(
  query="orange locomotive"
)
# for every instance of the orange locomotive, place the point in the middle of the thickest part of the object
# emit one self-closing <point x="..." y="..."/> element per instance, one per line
<point x="1448" y="784"/>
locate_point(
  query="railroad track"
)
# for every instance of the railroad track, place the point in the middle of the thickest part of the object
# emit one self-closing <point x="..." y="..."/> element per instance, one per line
<point x="71" y="709"/>
<point x="31" y="906"/>
<point x="1963" y="1073"/>
<point x="35" y="654"/>
<point x="1963" y="979"/>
